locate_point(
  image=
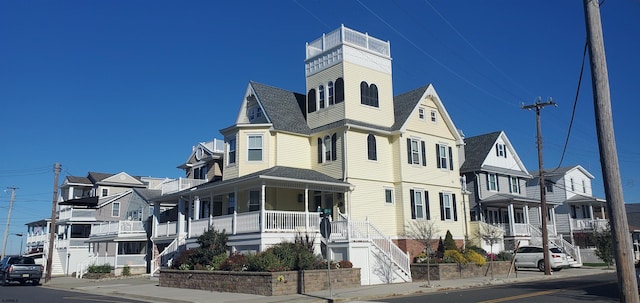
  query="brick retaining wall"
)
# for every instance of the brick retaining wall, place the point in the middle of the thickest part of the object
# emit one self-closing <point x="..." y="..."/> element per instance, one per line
<point x="261" y="283"/>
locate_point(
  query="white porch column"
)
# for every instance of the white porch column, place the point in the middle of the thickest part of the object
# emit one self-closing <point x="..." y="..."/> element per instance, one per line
<point x="603" y="212"/>
<point x="512" y="225"/>
<point x="196" y="208"/>
<point x="156" y="218"/>
<point x="306" y="208"/>
<point x="70" y="195"/>
<point x="263" y="219"/>
<point x="591" y="212"/>
<point x="181" y="216"/>
<point x="553" y="220"/>
<point x="189" y="216"/>
<point x="525" y="209"/>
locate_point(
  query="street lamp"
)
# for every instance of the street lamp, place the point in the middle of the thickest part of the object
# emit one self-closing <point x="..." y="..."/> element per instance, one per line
<point x="21" y="241"/>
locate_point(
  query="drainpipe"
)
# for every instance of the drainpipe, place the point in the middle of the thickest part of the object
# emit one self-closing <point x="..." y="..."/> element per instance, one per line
<point x="479" y="194"/>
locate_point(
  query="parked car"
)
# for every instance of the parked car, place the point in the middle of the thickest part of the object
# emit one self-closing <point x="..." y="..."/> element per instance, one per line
<point x="532" y="257"/>
<point x="21" y="269"/>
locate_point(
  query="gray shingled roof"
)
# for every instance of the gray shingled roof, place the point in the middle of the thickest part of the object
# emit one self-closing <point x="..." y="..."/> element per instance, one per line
<point x="148" y="194"/>
<point x="97" y="177"/>
<point x="282" y="108"/>
<point x="78" y="180"/>
<point x="476" y="150"/>
<point x="560" y="171"/>
<point x="404" y="104"/>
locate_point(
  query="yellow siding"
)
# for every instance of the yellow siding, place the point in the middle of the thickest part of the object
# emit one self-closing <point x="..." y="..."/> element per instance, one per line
<point x="438" y="129"/>
<point x="368" y="203"/>
<point x="360" y="167"/>
<point x="246" y="167"/>
<point x="382" y="115"/>
<point x="291" y="150"/>
<point x="330" y="168"/>
<point x="329" y="114"/>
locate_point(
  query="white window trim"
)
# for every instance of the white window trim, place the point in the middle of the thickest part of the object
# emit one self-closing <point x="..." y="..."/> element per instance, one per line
<point x="102" y="192"/>
<point x="443" y="156"/>
<point x="261" y="147"/>
<point x="433" y="116"/>
<point x="235" y="150"/>
<point x="112" y="208"/>
<point x="495" y="183"/>
<point x="512" y="184"/>
<point x="389" y="189"/>
<point x="417" y="151"/>
<point x="421" y="113"/>
<point x="418" y="194"/>
<point x="448" y="210"/>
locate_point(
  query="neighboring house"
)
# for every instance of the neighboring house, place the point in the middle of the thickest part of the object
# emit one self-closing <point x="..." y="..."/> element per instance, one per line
<point x="99" y="219"/>
<point x="348" y="145"/>
<point x="578" y="212"/>
<point x="496" y="179"/>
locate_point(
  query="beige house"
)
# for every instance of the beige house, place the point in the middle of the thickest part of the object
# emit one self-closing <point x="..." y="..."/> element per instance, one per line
<point x="376" y="160"/>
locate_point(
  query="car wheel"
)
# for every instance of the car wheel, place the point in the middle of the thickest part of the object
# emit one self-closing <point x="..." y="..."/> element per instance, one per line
<point x="557" y="269"/>
<point x="541" y="265"/>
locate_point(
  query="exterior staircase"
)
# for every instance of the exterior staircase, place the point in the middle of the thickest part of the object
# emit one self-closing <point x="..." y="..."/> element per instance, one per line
<point x="391" y="263"/>
<point x="165" y="258"/>
<point x="572" y="251"/>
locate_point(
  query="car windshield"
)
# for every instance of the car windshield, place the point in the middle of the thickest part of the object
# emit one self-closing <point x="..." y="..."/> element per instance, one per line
<point x="22" y="260"/>
<point x="555" y="250"/>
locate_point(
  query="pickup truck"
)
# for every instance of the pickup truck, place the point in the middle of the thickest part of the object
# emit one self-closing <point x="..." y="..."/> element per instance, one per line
<point x="21" y="269"/>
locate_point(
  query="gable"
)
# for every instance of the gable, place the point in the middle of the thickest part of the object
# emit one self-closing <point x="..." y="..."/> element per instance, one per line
<point x="502" y="154"/>
<point x="121" y="179"/>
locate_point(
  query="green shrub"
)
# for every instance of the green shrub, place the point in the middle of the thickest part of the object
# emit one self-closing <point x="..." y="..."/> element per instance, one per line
<point x="504" y="256"/>
<point x="99" y="269"/>
<point x="475" y="257"/>
<point x="235" y="262"/>
<point x="264" y="262"/>
<point x="126" y="271"/>
<point x="449" y="243"/>
<point x="294" y="256"/>
<point x="477" y="249"/>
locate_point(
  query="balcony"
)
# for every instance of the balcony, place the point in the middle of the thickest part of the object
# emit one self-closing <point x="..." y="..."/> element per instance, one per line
<point x="69" y="213"/>
<point x="345" y="35"/>
<point x="180" y="184"/>
<point x="125" y="227"/>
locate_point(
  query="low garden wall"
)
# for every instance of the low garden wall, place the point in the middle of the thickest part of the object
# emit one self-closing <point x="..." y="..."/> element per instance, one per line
<point x="261" y="283"/>
<point x="452" y="271"/>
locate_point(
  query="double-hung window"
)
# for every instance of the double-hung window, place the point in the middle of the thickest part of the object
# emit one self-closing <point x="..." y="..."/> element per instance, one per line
<point x="492" y="182"/>
<point x="514" y="185"/>
<point x="421" y="113"/>
<point x="448" y="209"/>
<point x="254" y="200"/>
<point x="444" y="156"/>
<point x="254" y="151"/>
<point x="388" y="195"/>
<point x="501" y="150"/>
<point x="419" y="204"/>
<point x="115" y="209"/>
<point x="231" y="150"/>
<point x="416" y="151"/>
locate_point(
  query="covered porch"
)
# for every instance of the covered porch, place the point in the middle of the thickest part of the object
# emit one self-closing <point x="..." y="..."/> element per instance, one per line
<point x="516" y="215"/>
<point x="256" y="210"/>
<point x="587" y="213"/>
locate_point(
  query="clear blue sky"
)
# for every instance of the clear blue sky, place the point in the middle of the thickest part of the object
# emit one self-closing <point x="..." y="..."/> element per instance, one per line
<point x="113" y="86"/>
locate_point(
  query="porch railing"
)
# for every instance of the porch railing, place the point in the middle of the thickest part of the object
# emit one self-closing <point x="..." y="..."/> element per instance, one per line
<point x="118" y="227"/>
<point x="165" y="258"/>
<point x="180" y="184"/>
<point x="570" y="249"/>
<point x="589" y="224"/>
<point x="249" y="222"/>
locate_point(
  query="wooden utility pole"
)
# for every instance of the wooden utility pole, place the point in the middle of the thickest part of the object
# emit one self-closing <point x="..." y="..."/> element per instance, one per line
<point x="543" y="194"/>
<point x="609" y="156"/>
<point x="6" y="231"/>
<point x="52" y="224"/>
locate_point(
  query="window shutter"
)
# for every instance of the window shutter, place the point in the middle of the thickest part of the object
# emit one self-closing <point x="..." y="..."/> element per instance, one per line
<point x="426" y="205"/>
<point x="497" y="182"/>
<point x="450" y="158"/>
<point x="441" y="207"/>
<point x="488" y="188"/>
<point x="409" y="150"/>
<point x="413" y="204"/>
<point x="424" y="154"/>
<point x="334" y="148"/>
<point x="311" y="101"/>
<point x="497" y="150"/>
<point x="319" y="150"/>
<point x="438" y="156"/>
<point x="455" y="208"/>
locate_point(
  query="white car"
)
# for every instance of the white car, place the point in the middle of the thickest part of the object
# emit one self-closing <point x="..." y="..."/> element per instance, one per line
<point x="531" y="257"/>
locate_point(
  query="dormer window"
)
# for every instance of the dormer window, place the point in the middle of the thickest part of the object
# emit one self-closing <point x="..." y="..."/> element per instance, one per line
<point x="434" y="116"/>
<point x="421" y="113"/>
<point x="501" y="151"/>
<point x="254" y="113"/>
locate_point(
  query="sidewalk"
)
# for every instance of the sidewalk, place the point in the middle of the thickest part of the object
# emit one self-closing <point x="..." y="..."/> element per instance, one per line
<point x="144" y="288"/>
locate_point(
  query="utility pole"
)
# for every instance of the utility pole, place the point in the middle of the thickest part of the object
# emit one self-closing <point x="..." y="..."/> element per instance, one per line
<point x="52" y="226"/>
<point x="609" y="156"/>
<point x="6" y="231"/>
<point x="543" y="194"/>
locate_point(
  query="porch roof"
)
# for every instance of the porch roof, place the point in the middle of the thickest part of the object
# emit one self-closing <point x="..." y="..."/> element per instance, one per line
<point x="503" y="199"/>
<point x="278" y="175"/>
<point x="580" y="199"/>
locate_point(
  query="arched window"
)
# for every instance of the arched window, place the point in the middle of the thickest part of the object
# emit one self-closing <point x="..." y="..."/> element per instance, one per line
<point x="372" y="153"/>
<point x="311" y="101"/>
<point x="331" y="93"/>
<point x="321" y="96"/>
<point x="368" y="94"/>
<point x="339" y="90"/>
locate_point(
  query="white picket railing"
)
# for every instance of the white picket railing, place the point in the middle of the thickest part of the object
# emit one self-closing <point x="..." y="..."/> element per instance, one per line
<point x="82" y="268"/>
<point x="165" y="258"/>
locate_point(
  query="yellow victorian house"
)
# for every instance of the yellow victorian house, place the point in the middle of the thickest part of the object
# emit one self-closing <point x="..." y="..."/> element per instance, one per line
<point x="375" y="160"/>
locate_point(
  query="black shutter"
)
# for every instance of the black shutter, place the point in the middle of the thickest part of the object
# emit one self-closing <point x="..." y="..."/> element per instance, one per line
<point x="488" y="187"/>
<point x="311" y="101"/>
<point x="319" y="150"/>
<point x="441" y="207"/>
<point x="497" y="150"/>
<point x="450" y="158"/>
<point x="455" y="208"/>
<point x="334" y="148"/>
<point x="339" y="90"/>
<point x="426" y="205"/>
<point x="424" y="154"/>
<point x="438" y="156"/>
<point x="409" y="151"/>
<point x="413" y="205"/>
<point x="498" y="182"/>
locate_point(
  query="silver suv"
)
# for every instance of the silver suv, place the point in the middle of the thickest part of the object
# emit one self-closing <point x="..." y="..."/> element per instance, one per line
<point x="531" y="257"/>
